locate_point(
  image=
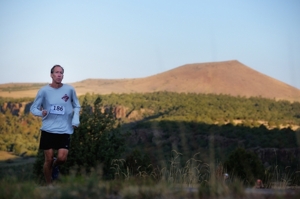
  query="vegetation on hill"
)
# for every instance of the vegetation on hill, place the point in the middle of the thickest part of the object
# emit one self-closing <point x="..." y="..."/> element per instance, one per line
<point x="209" y="107"/>
<point x="163" y="121"/>
<point x="172" y="150"/>
<point x="174" y="113"/>
<point x="19" y="134"/>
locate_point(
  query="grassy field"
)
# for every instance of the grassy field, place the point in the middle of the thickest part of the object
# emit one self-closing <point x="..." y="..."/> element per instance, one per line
<point x="17" y="181"/>
<point x="19" y="94"/>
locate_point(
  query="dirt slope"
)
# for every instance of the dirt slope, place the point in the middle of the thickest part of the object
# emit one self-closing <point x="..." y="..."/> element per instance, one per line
<point x="227" y="77"/>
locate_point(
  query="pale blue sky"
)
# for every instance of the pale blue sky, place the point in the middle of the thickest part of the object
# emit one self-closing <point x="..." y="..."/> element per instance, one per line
<point x="139" y="38"/>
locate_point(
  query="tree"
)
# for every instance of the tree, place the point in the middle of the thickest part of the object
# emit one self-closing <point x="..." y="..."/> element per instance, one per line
<point x="246" y="165"/>
<point x="98" y="140"/>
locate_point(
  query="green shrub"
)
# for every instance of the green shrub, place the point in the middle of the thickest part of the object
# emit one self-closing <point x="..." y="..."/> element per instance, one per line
<point x="138" y="162"/>
<point x="97" y="140"/>
<point x="245" y="165"/>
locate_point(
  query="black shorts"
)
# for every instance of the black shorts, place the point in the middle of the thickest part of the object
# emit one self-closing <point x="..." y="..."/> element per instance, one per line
<point x="54" y="141"/>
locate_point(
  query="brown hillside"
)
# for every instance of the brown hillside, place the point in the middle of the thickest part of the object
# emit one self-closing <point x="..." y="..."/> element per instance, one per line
<point x="228" y="77"/>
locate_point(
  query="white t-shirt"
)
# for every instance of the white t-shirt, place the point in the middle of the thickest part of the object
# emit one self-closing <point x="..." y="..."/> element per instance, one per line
<point x="62" y="107"/>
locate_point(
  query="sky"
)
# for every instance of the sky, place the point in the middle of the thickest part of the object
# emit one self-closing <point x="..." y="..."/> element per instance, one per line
<point x="116" y="39"/>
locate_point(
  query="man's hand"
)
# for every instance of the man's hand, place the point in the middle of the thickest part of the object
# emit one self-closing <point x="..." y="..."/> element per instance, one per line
<point x="44" y="113"/>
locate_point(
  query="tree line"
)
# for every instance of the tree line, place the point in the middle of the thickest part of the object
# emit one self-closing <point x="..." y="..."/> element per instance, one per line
<point x="20" y="134"/>
<point x="187" y="123"/>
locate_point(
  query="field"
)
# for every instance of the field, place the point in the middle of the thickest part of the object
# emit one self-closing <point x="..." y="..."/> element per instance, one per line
<point x="17" y="181"/>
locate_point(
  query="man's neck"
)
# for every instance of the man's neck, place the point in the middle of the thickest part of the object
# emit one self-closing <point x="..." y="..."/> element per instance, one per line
<point x="56" y="85"/>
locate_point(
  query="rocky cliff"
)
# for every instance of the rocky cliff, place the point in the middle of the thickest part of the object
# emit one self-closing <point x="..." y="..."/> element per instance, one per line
<point x="16" y="108"/>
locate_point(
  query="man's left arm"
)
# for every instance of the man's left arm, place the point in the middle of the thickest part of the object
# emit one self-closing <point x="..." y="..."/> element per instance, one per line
<point x="76" y="109"/>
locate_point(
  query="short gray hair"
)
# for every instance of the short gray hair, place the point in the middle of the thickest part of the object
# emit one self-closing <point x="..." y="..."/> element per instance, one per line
<point x="52" y="69"/>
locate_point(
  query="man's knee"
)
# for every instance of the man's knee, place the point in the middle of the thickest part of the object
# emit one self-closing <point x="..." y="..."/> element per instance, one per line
<point x="61" y="160"/>
<point x="62" y="156"/>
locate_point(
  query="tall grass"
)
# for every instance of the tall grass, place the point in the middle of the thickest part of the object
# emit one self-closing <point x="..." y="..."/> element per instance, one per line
<point x="194" y="179"/>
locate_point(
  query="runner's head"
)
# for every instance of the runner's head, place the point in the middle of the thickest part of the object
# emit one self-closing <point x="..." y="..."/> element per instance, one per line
<point x="57" y="74"/>
<point x="52" y="69"/>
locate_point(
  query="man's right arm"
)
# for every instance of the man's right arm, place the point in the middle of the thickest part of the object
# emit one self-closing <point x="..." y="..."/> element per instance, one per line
<point x="35" y="108"/>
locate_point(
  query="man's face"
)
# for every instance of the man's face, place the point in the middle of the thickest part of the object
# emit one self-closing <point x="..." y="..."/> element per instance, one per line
<point x="57" y="75"/>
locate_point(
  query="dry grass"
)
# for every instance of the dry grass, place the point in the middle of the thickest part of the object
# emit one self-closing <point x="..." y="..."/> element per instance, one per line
<point x="228" y="77"/>
<point x="194" y="180"/>
<point x="6" y="156"/>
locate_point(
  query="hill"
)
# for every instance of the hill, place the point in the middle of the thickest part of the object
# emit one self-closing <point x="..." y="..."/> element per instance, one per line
<point x="227" y="77"/>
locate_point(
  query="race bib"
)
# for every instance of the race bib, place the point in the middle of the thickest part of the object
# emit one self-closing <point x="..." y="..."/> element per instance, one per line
<point x="57" y="109"/>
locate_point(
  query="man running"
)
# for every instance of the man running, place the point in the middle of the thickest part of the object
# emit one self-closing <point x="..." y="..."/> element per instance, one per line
<point x="59" y="108"/>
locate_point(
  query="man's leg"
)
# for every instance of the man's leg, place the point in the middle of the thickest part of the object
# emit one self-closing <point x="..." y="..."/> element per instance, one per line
<point x="61" y="158"/>
<point x="62" y="155"/>
<point x="48" y="165"/>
